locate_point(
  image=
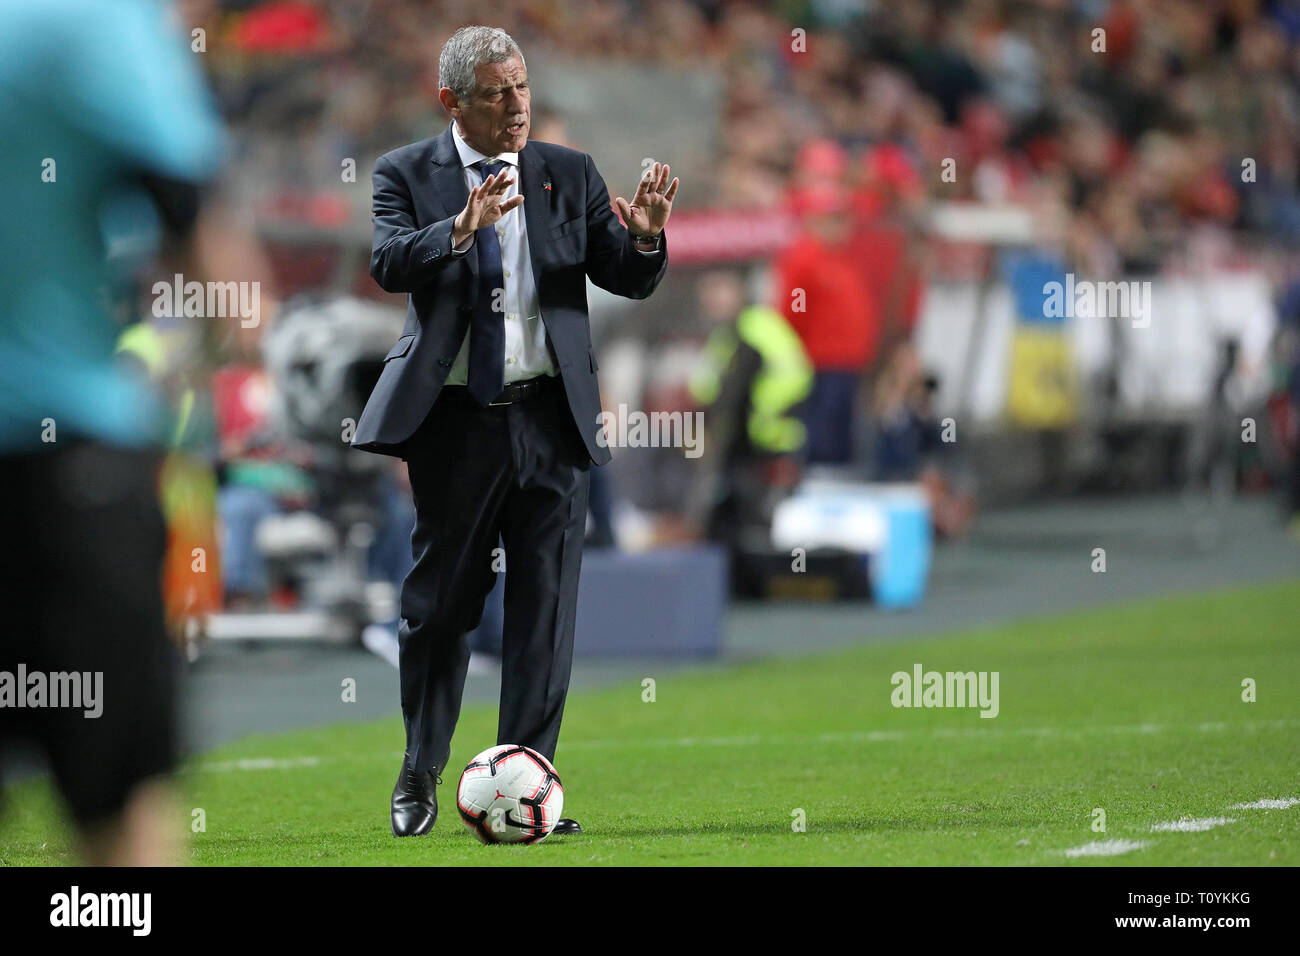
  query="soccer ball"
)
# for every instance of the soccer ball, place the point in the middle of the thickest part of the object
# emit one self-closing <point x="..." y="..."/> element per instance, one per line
<point x="510" y="794"/>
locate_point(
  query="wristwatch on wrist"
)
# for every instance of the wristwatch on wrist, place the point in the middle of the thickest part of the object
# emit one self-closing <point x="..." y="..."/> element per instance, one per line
<point x="647" y="239"/>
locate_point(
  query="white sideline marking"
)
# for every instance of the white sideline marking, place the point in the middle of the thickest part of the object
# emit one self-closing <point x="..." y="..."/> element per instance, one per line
<point x="1191" y="826"/>
<point x="259" y="763"/>
<point x="749" y="740"/>
<point x="1283" y="804"/>
<point x="868" y="735"/>
<point x="752" y="740"/>
<point x="876" y="736"/>
<point x="1108" y="848"/>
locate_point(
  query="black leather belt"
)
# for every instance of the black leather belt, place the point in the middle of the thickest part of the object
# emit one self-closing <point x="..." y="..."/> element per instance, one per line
<point x="514" y="392"/>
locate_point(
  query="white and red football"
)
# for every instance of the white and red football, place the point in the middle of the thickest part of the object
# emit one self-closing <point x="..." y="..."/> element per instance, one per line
<point x="510" y="794"/>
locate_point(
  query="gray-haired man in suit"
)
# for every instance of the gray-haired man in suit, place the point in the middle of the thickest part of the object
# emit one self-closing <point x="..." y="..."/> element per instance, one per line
<point x="490" y="393"/>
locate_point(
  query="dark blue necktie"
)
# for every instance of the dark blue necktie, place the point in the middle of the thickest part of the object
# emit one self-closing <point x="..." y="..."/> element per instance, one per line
<point x="487" y="333"/>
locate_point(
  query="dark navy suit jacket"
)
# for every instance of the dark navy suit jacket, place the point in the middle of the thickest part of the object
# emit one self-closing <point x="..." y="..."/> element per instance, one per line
<point x="573" y="233"/>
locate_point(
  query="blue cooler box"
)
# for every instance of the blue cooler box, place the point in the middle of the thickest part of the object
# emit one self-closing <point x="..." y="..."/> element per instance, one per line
<point x="888" y="525"/>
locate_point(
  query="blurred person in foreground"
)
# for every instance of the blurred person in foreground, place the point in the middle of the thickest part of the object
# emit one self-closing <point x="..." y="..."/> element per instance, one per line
<point x="98" y="102"/>
<point x="490" y="393"/>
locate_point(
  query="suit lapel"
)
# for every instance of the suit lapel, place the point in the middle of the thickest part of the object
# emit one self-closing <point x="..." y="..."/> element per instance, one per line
<point x="449" y="187"/>
<point x="537" y="204"/>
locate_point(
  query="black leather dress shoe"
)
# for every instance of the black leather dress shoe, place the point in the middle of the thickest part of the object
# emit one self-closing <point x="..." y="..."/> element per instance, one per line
<point x="566" y="827"/>
<point x="415" y="801"/>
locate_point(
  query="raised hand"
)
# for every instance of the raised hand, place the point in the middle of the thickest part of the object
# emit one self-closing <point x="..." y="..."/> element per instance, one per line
<point x="484" y="207"/>
<point x="647" y="213"/>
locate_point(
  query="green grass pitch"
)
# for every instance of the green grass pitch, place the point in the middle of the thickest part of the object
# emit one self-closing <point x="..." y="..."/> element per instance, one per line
<point x="1135" y="710"/>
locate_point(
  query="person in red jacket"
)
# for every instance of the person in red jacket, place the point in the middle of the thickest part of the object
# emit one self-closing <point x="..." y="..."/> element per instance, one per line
<point x="885" y="201"/>
<point x="821" y="289"/>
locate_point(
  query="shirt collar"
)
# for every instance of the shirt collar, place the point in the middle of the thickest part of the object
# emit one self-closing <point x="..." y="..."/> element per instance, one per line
<point x="469" y="155"/>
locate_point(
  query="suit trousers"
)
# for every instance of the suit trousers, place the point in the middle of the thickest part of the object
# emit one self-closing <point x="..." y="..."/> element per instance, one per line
<point x="519" y="473"/>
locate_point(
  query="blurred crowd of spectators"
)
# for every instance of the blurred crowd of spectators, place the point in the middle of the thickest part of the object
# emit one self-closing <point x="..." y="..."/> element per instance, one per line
<point x="1131" y="135"/>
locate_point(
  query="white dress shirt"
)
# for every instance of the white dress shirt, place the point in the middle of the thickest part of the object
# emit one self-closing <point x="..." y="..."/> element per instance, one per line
<point x="527" y="355"/>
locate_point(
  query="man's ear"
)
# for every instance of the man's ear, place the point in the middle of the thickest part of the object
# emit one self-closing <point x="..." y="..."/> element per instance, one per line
<point x="450" y="102"/>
